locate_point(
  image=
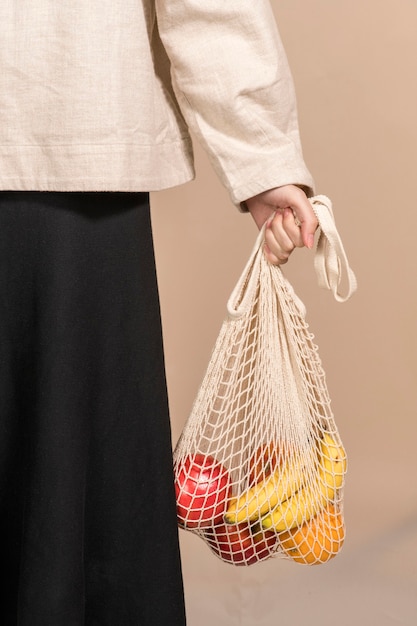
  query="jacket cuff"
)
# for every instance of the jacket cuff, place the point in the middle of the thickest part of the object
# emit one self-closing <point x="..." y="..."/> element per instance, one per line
<point x="300" y="178"/>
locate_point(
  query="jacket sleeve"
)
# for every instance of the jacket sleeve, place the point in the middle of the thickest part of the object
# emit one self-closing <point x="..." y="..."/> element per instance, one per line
<point x="233" y="84"/>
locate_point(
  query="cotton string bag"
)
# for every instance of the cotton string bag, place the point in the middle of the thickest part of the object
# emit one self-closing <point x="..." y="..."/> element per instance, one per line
<point x="260" y="465"/>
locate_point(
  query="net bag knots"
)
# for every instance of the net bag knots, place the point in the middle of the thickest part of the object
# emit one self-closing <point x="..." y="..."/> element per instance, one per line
<point x="260" y="465"/>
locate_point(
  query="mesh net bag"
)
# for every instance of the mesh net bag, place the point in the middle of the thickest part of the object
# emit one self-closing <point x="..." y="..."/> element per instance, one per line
<point x="260" y="466"/>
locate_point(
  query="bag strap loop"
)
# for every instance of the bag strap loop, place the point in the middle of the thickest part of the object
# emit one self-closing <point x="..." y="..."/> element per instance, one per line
<point x="242" y="295"/>
<point x="330" y="260"/>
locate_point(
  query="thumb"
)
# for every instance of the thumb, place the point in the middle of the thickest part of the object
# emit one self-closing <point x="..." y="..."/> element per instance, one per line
<point x="307" y="221"/>
<point x="307" y="236"/>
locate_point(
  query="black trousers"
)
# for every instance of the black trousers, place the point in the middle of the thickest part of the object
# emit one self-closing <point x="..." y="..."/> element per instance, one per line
<point x="88" y="532"/>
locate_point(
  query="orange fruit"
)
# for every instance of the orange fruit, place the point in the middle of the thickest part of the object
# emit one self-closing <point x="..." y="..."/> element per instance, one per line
<point x="317" y="540"/>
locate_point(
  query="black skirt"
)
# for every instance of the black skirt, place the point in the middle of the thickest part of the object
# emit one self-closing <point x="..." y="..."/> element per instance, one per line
<point x="88" y="532"/>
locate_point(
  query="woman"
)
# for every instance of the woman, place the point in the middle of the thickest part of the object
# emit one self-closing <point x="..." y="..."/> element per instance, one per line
<point x="96" y="101"/>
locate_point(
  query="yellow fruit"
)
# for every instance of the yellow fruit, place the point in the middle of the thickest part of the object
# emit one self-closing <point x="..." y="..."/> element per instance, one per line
<point x="333" y="455"/>
<point x="309" y="500"/>
<point x="318" y="540"/>
<point x="265" y="495"/>
<point x="300" y="507"/>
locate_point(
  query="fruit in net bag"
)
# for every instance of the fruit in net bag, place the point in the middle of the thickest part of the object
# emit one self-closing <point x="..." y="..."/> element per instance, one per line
<point x="307" y="502"/>
<point x="202" y="488"/>
<point x="316" y="541"/>
<point x="263" y="462"/>
<point x="283" y="475"/>
<point x="240" y="544"/>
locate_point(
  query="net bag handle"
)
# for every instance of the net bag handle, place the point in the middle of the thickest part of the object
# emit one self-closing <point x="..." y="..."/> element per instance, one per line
<point x="330" y="260"/>
<point x="244" y="291"/>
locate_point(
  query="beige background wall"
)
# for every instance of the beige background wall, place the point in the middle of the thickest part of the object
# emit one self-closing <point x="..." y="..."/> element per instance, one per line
<point x="355" y="69"/>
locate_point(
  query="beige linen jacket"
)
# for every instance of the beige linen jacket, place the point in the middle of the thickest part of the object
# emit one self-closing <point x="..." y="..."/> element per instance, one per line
<point x="100" y="95"/>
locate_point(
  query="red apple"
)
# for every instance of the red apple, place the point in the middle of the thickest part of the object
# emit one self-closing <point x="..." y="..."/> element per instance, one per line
<point x="241" y="545"/>
<point x="266" y="459"/>
<point x="202" y="487"/>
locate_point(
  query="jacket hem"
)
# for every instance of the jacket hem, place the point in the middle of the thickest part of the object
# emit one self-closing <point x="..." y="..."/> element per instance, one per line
<point x="96" y="167"/>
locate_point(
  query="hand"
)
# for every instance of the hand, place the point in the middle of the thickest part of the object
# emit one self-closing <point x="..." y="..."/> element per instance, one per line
<point x="291" y="221"/>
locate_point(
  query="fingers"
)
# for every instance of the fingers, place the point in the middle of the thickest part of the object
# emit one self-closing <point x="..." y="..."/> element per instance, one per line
<point x="305" y="219"/>
<point x="292" y="224"/>
<point x="282" y="235"/>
